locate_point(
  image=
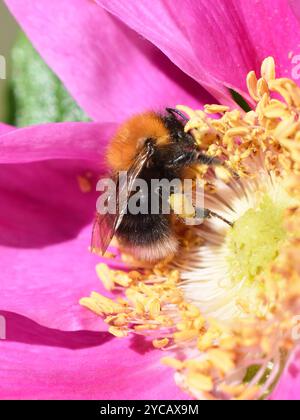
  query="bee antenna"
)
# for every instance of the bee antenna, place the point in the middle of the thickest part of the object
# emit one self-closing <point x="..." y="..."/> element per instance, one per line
<point x="208" y="214"/>
<point x="173" y="111"/>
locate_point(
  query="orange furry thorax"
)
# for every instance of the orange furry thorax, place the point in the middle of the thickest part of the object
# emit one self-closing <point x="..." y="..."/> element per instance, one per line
<point x="131" y="136"/>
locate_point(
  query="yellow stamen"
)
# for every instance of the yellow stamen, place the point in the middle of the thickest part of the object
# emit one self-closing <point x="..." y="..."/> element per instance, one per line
<point x="199" y="382"/>
<point x="222" y="360"/>
<point x="173" y="363"/>
<point x="104" y="275"/>
<point x="252" y="85"/>
<point x="216" y="109"/>
<point x="84" y="184"/>
<point x="268" y="69"/>
<point x="159" y="344"/>
<point x="118" y="332"/>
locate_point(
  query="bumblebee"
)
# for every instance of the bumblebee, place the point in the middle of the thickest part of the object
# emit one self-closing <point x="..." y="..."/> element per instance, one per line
<point x="148" y="146"/>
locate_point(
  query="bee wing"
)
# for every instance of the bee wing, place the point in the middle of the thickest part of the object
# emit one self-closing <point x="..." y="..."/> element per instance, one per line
<point x="106" y="225"/>
<point x="102" y="232"/>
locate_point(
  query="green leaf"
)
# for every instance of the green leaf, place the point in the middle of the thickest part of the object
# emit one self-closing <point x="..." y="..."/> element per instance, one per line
<point x="38" y="95"/>
<point x="239" y="100"/>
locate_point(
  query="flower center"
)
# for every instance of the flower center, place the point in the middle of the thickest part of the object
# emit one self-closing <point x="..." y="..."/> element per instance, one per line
<point x="255" y="240"/>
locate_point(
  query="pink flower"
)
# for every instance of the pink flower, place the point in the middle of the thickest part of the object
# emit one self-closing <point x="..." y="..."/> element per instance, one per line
<point x="187" y="48"/>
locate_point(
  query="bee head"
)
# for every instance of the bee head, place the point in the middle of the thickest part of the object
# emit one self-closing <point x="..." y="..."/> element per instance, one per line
<point x="175" y="155"/>
<point x="176" y="125"/>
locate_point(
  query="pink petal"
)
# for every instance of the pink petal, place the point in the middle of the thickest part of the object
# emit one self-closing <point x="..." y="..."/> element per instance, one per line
<point x="46" y="220"/>
<point x="45" y="269"/>
<point x="110" y="70"/>
<point x="219" y="42"/>
<point x="295" y="5"/>
<point x="46" y="224"/>
<point x="4" y="128"/>
<point x="79" y="365"/>
<point x="289" y="385"/>
<point x="54" y="141"/>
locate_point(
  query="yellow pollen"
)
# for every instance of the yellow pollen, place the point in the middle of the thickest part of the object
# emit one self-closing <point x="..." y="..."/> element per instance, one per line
<point x="181" y="205"/>
<point x="154" y="308"/>
<point x="159" y="344"/>
<point x="252" y="85"/>
<point x="173" y="363"/>
<point x="216" y="109"/>
<point x="223" y="174"/>
<point x="268" y="69"/>
<point x="200" y="382"/>
<point x="103" y="273"/>
<point x="222" y="360"/>
<point x="118" y="332"/>
<point x="84" y="184"/>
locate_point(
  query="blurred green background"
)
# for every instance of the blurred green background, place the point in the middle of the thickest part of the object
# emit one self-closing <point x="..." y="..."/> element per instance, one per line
<point x="32" y="93"/>
<point x="8" y="29"/>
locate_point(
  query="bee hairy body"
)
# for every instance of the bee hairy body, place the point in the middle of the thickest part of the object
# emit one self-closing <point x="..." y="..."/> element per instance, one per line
<point x="150" y="236"/>
<point x="148" y="147"/>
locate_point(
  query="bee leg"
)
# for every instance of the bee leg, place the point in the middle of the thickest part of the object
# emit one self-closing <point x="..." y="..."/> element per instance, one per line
<point x="209" y="160"/>
<point x="208" y="214"/>
<point x="213" y="161"/>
